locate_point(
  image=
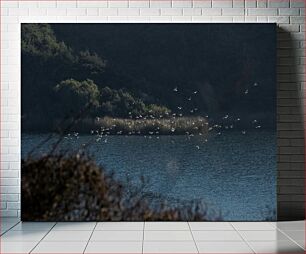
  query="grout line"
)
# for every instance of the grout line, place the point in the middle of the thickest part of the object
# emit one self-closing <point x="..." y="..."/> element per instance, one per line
<point x="247" y="243"/>
<point x="290" y="238"/>
<point x="143" y="232"/>
<point x="10" y="228"/>
<point x="42" y="238"/>
<point x="193" y="237"/>
<point x="90" y="237"/>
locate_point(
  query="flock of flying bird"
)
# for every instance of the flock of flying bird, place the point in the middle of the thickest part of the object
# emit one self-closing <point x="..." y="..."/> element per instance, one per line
<point x="105" y="132"/>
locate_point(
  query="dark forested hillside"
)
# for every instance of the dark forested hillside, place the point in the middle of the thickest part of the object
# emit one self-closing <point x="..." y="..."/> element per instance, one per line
<point x="128" y="70"/>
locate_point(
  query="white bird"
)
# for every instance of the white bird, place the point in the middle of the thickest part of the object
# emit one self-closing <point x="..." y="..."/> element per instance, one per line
<point x="195" y="92"/>
<point x="255" y="84"/>
<point x="175" y="89"/>
<point x="198" y="147"/>
<point x="246" y="91"/>
<point x="243" y="132"/>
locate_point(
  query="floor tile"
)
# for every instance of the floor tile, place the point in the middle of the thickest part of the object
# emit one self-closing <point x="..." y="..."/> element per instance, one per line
<point x="290" y="225"/>
<point x="166" y="225"/>
<point x="253" y="226"/>
<point x="276" y="247"/>
<point x="5" y="226"/>
<point x="216" y="236"/>
<point x="273" y="235"/>
<point x="33" y="226"/>
<point x="211" y="226"/>
<point x="297" y="235"/>
<point x="63" y="226"/>
<point x="169" y="247"/>
<point x="17" y="247"/>
<point x="114" y="247"/>
<point x="60" y="247"/>
<point x="168" y="236"/>
<point x="69" y="236"/>
<point x="223" y="247"/>
<point x="120" y="226"/>
<point x="101" y="236"/>
<point x="22" y="236"/>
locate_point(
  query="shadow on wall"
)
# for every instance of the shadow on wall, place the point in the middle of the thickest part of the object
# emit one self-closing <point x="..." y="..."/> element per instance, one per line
<point x="290" y="128"/>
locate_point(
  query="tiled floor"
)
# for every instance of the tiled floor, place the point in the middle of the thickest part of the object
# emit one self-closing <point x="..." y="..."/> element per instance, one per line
<point x="152" y="237"/>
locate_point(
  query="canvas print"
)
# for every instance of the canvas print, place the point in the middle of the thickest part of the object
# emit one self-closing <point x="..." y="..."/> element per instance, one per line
<point x="155" y="122"/>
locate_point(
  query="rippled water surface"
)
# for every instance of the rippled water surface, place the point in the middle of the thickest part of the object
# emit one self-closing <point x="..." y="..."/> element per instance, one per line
<point x="232" y="172"/>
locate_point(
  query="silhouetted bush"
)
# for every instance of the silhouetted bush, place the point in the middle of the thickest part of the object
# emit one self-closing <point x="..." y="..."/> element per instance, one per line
<point x="74" y="188"/>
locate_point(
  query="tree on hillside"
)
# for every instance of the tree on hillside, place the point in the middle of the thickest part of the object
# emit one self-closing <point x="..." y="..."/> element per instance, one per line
<point x="74" y="96"/>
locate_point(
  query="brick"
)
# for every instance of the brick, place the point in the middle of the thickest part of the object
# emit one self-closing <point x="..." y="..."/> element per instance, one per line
<point x="222" y="3"/>
<point x="279" y="19"/>
<point x="262" y="12"/>
<point x="149" y="12"/>
<point x="290" y="126"/>
<point x="291" y="198"/>
<point x="9" y="173"/>
<point x="262" y="19"/>
<point x="211" y="12"/>
<point x="13" y="205"/>
<point x="262" y="3"/>
<point x="56" y="12"/>
<point x="202" y="18"/>
<point x="291" y="190"/>
<point x="108" y="12"/>
<point x="66" y="4"/>
<point x="250" y="3"/>
<point x="139" y="4"/>
<point x="192" y="11"/>
<point x="291" y="134"/>
<point x="18" y="12"/>
<point x="181" y="3"/>
<point x="297" y="20"/>
<point x="76" y="11"/>
<point x="291" y="182"/>
<point x="172" y="11"/>
<point x="47" y="4"/>
<point x="8" y="181"/>
<point x="118" y="4"/>
<point x="202" y="3"/>
<point x="222" y="19"/>
<point x="128" y="12"/>
<point x="92" y="12"/>
<point x="238" y="3"/>
<point x="181" y="18"/>
<point x="278" y="3"/>
<point x="160" y="19"/>
<point x="291" y="174"/>
<point x="160" y="4"/>
<point x="38" y="11"/>
<point x="3" y="205"/>
<point x="289" y="12"/>
<point x="92" y="4"/>
<point x="291" y="150"/>
<point x="233" y="12"/>
<point x="9" y="213"/>
<point x="297" y="3"/>
<point x="9" y="197"/>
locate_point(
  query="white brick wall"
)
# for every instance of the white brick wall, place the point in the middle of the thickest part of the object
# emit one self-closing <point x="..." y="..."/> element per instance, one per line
<point x="289" y="14"/>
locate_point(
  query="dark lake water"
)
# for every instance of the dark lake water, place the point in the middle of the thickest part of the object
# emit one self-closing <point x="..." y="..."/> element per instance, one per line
<point x="232" y="172"/>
